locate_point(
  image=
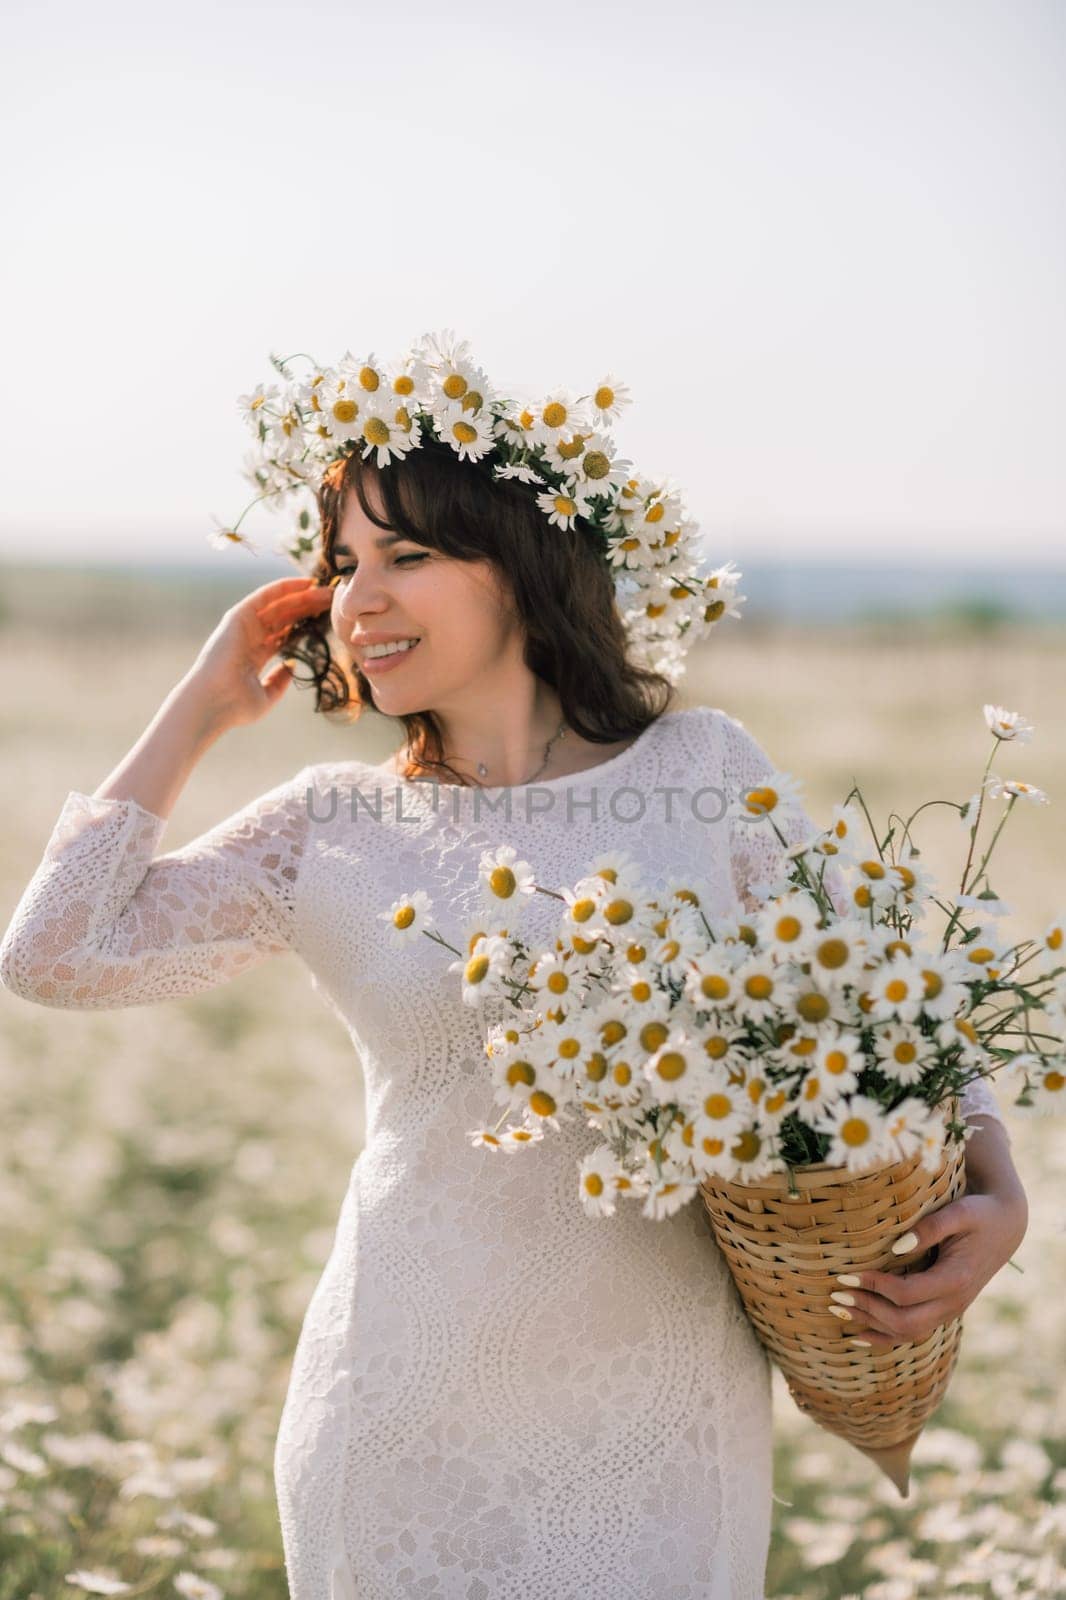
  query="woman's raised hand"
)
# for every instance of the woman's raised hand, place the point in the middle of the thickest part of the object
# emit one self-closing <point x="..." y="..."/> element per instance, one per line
<point x="227" y="671"/>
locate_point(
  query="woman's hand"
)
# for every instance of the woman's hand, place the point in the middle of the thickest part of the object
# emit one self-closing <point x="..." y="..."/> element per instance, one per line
<point x="975" y="1235"/>
<point x="226" y="673"/>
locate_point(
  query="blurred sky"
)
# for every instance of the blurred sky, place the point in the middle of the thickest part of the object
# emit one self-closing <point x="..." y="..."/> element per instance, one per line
<point x="825" y="244"/>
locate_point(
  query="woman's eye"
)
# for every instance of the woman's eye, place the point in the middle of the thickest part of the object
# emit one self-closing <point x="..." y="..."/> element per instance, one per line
<point x="344" y="572"/>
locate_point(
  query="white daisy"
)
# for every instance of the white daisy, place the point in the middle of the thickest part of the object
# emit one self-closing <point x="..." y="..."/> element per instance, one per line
<point x="857" y="1131"/>
<point x="1008" y="725"/>
<point x="408" y="917"/>
<point x="879" y="882"/>
<point x="710" y="981"/>
<point x="609" y="399"/>
<point x="666" y="1195"/>
<point x="896" y="990"/>
<point x="909" y="1125"/>
<point x="192" y="1587"/>
<point x="988" y="956"/>
<point x="836" y="955"/>
<point x="563" y="506"/>
<point x="484" y="969"/>
<point x="903" y="1052"/>
<point x="558" y="415"/>
<point x="96" y="1582"/>
<point x="761" y="989"/>
<point x="341" y="408"/>
<point x="519" y="471"/>
<point x="469" y="435"/>
<point x="1015" y="789"/>
<point x="390" y="432"/>
<point x="502" y="877"/>
<point x="255" y="407"/>
<point x="786" y="925"/>
<point x="598" y="1175"/>
<point x="1048" y="1087"/>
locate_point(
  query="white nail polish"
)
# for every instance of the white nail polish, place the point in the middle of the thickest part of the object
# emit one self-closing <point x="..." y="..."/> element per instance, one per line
<point x="908" y="1242"/>
<point x="866" y="1342"/>
<point x="841" y="1312"/>
<point x="850" y="1279"/>
<point x="841" y="1298"/>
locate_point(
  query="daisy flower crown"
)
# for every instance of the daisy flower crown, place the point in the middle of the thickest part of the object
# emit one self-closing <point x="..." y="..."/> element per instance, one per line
<point x="558" y="446"/>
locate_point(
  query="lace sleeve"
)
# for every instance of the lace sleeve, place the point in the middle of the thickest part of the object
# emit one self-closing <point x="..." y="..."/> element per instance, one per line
<point x="102" y="924"/>
<point x="757" y="857"/>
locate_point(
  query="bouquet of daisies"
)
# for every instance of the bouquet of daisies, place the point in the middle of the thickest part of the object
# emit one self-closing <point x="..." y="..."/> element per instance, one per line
<point x="823" y="1029"/>
<point x="799" y="1068"/>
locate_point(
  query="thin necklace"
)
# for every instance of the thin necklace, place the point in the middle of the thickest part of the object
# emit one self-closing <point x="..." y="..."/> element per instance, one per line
<point x="483" y="770"/>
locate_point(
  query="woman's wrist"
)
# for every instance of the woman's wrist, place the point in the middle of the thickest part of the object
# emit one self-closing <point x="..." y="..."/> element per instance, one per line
<point x="989" y="1168"/>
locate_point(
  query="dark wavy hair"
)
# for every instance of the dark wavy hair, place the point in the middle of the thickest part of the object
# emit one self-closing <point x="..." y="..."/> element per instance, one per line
<point x="563" y="592"/>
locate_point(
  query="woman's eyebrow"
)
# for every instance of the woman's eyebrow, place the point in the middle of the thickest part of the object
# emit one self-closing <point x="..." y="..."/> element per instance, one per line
<point x="388" y="538"/>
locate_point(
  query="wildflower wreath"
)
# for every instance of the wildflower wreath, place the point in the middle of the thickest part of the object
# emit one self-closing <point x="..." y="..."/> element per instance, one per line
<point x="557" y="446"/>
<point x="800" y="1068"/>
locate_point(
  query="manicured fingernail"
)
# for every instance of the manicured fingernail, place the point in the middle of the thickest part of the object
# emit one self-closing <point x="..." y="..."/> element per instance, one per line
<point x="838" y="1311"/>
<point x="866" y="1342"/>
<point x="841" y="1298"/>
<point x="908" y="1242"/>
<point x="852" y="1279"/>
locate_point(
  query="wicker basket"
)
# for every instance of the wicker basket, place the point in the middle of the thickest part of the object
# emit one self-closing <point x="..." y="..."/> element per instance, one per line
<point x="785" y="1253"/>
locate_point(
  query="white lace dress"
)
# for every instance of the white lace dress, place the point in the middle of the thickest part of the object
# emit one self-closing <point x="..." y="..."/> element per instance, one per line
<point x="493" y="1397"/>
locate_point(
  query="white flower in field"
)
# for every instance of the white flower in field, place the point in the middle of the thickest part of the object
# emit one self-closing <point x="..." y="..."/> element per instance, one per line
<point x="1054" y="936"/>
<point x="1008" y="725"/>
<point x="22" y="1412"/>
<point x="408" y="917"/>
<point x="96" y="1582"/>
<point x="502" y="877"/>
<point x="193" y="1587"/>
<point x="22" y="1459"/>
<point x="903" y="1051"/>
<point x="1015" y="789"/>
<point x="857" y="1130"/>
<point x="908" y="1127"/>
<point x="597" y="1180"/>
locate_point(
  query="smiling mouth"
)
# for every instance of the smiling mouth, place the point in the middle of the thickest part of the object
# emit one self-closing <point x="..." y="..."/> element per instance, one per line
<point x="392" y="655"/>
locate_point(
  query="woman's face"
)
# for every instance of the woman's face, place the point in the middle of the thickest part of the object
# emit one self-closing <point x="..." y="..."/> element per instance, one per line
<point x="465" y="625"/>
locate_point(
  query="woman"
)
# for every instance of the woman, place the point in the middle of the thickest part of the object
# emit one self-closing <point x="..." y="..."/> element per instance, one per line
<point x="493" y="1395"/>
